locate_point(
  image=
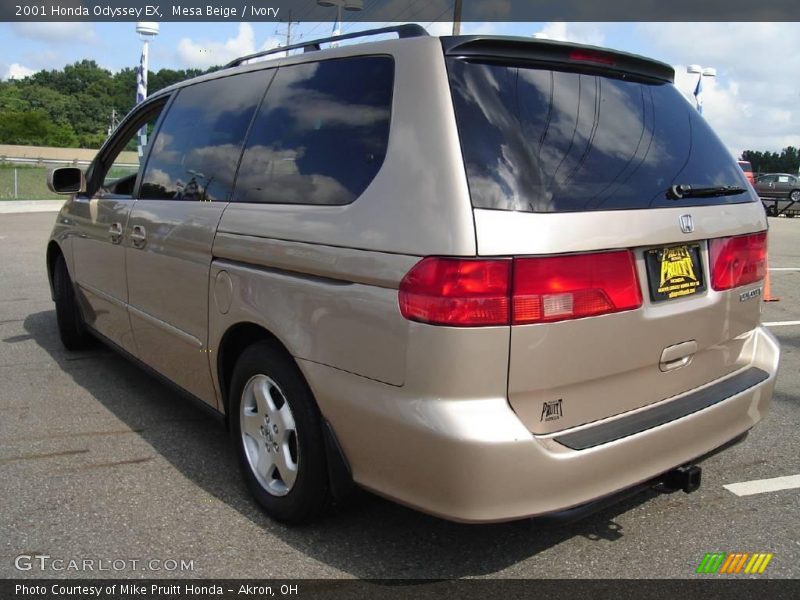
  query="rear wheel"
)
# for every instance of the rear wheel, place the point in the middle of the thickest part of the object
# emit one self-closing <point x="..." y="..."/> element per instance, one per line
<point x="71" y="327"/>
<point x="794" y="196"/>
<point x="277" y="435"/>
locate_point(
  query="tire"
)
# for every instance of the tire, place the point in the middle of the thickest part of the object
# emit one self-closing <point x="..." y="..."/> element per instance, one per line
<point x="71" y="327"/>
<point x="794" y="195"/>
<point x="271" y="406"/>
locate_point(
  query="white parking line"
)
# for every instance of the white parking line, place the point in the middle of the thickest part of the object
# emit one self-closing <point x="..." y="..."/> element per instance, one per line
<point x="760" y="486"/>
<point x="784" y="268"/>
<point x="781" y="323"/>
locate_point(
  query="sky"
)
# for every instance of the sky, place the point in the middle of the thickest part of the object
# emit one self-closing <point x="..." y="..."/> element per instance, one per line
<point x="753" y="102"/>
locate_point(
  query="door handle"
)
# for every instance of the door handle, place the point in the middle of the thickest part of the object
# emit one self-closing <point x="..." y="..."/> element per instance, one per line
<point x="138" y="236"/>
<point x="115" y="232"/>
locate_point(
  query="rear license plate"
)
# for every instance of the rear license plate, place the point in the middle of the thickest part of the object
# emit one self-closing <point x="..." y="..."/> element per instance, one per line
<point x="674" y="272"/>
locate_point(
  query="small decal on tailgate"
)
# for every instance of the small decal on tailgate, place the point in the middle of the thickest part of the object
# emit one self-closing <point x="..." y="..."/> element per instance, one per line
<point x="551" y="411"/>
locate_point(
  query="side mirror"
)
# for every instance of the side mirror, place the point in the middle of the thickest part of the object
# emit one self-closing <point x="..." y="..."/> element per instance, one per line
<point x="66" y="180"/>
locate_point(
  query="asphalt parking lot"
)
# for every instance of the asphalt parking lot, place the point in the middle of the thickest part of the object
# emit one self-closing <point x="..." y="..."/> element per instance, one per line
<point x="100" y="461"/>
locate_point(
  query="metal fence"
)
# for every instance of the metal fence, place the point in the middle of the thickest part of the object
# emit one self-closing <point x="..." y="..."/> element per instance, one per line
<point x="25" y="182"/>
<point x="26" y="178"/>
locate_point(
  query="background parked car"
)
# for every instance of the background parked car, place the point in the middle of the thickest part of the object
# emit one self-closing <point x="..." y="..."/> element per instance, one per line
<point x="784" y="191"/>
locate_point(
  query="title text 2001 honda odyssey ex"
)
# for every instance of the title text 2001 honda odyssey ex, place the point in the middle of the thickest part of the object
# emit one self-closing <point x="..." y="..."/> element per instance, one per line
<point x="485" y="277"/>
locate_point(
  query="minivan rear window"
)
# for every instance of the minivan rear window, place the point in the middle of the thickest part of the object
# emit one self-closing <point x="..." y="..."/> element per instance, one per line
<point x="540" y="140"/>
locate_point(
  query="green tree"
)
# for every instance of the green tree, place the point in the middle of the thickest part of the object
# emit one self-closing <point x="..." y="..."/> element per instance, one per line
<point x="73" y="106"/>
<point x="787" y="161"/>
<point x="34" y="128"/>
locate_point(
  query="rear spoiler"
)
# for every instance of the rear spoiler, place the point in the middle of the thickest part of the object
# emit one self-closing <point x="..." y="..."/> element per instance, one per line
<point x="548" y="53"/>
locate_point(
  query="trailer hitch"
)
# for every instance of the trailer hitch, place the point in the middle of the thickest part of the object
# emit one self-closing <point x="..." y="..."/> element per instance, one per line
<point x="686" y="478"/>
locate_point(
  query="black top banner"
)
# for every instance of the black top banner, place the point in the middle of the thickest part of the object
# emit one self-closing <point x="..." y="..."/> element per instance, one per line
<point x="400" y="10"/>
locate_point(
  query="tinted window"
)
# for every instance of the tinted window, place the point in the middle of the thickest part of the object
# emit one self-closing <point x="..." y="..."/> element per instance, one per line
<point x="550" y="141"/>
<point x="320" y="136"/>
<point x="198" y="145"/>
<point x="117" y="174"/>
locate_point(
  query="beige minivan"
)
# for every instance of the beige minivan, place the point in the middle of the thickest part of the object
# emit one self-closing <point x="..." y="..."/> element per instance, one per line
<point x="485" y="277"/>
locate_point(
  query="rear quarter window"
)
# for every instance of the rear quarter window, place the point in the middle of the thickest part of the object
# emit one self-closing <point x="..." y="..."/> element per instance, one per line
<point x="541" y="140"/>
<point x="321" y="134"/>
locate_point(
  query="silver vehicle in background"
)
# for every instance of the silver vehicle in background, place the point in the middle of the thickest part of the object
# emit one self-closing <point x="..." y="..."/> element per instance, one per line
<point x="486" y="277"/>
<point x="780" y="193"/>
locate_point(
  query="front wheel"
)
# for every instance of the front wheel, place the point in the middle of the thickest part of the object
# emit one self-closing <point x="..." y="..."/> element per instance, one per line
<point x="277" y="435"/>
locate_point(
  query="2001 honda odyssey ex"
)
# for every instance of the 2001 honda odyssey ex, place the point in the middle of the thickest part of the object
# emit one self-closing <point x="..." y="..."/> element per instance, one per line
<point x="485" y="277"/>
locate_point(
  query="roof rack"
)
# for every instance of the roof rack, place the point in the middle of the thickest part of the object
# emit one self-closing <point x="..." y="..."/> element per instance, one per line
<point x="402" y="31"/>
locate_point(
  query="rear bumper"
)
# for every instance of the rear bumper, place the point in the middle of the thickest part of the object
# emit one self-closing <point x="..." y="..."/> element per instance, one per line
<point x="472" y="460"/>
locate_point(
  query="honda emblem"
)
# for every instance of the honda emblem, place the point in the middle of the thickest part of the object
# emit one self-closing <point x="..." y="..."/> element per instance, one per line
<point x="687" y="225"/>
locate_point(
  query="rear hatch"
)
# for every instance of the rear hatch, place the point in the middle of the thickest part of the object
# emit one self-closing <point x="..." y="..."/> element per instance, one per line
<point x="638" y="246"/>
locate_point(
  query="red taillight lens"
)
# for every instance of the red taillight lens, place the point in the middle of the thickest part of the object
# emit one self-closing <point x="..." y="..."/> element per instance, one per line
<point x="570" y="287"/>
<point x="457" y="292"/>
<point x="472" y="293"/>
<point x="737" y="261"/>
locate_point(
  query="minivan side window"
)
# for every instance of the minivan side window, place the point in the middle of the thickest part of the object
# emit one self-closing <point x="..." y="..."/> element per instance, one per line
<point x="114" y="172"/>
<point x="321" y="134"/>
<point x="197" y="147"/>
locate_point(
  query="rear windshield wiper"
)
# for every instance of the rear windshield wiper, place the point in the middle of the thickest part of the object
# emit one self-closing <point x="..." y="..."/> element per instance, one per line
<point x="684" y="190"/>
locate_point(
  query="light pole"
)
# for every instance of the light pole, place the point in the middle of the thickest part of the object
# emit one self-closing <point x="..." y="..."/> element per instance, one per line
<point x="698" y="89"/>
<point x="146" y="31"/>
<point x="457" y="18"/>
<point x="351" y="5"/>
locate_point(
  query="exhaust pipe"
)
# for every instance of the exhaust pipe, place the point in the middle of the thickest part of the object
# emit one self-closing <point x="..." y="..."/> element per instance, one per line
<point x="686" y="478"/>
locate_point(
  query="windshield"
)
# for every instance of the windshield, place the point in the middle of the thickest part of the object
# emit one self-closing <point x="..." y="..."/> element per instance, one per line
<point x="541" y="140"/>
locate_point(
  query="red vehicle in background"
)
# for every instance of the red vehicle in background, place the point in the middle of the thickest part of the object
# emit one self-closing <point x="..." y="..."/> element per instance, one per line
<point x="748" y="171"/>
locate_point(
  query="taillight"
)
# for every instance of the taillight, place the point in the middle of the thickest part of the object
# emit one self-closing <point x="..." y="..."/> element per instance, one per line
<point x="457" y="292"/>
<point x="737" y="261"/>
<point x="555" y="288"/>
<point x="477" y="292"/>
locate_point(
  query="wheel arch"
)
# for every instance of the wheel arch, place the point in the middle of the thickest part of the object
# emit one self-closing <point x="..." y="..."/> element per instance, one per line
<point x="233" y="342"/>
<point x="53" y="252"/>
